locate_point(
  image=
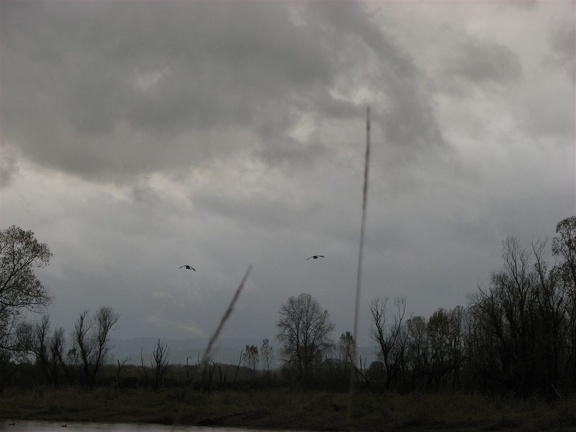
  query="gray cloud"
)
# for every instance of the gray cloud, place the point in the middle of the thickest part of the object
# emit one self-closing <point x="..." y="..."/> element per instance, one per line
<point x="87" y="80"/>
<point x="563" y="47"/>
<point x="553" y="121"/>
<point x="8" y="166"/>
<point x="485" y="62"/>
<point x="408" y="118"/>
<point x="115" y="89"/>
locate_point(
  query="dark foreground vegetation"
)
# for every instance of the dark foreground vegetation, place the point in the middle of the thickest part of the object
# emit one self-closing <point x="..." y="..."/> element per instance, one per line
<point x="291" y="409"/>
<point x="234" y="396"/>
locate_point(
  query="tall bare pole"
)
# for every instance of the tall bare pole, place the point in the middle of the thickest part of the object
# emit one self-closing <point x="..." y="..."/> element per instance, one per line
<point x="207" y="353"/>
<point x="225" y="317"/>
<point x="363" y="226"/>
<point x="360" y="255"/>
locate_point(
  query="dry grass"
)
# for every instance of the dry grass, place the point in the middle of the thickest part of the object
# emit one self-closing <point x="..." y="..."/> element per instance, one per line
<point x="285" y="409"/>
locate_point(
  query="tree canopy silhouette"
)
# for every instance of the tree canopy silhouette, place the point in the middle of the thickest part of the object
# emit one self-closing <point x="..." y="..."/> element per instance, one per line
<point x="304" y="332"/>
<point x="20" y="289"/>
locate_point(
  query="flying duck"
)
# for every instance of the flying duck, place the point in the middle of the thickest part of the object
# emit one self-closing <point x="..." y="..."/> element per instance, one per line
<point x="187" y="267"/>
<point x="315" y="257"/>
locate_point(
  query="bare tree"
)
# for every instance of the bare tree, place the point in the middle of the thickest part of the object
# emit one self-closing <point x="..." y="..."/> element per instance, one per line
<point x="143" y="368"/>
<point x="504" y="312"/>
<point x="160" y="363"/>
<point x="119" y="368"/>
<point x="347" y="348"/>
<point x="349" y="357"/>
<point x="564" y="247"/>
<point x="39" y="344"/>
<point x="48" y="351"/>
<point x="57" y="348"/>
<point x="391" y="339"/>
<point x="523" y="317"/>
<point x="445" y="347"/>
<point x="267" y="354"/>
<point x="91" y="338"/>
<point x="304" y="331"/>
<point x="251" y="357"/>
<point x="553" y="311"/>
<point x="417" y="354"/>
<point x="32" y="342"/>
<point x="20" y="289"/>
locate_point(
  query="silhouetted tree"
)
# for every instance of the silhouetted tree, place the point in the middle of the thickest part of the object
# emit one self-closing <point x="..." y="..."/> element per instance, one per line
<point x="267" y="354"/>
<point x="349" y="357"/>
<point x="347" y="348"/>
<point x="304" y="331"/>
<point x="446" y="347"/>
<point x="251" y="357"/>
<point x="552" y="319"/>
<point x="159" y="363"/>
<point x="505" y="311"/>
<point x="564" y="247"/>
<point x="391" y="339"/>
<point x="91" y="340"/>
<point x="523" y="319"/>
<point x="47" y="350"/>
<point x="417" y="352"/>
<point x="20" y="289"/>
<point x="120" y="365"/>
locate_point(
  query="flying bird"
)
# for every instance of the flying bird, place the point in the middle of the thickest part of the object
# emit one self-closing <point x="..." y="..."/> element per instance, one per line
<point x="187" y="267"/>
<point x="315" y="257"/>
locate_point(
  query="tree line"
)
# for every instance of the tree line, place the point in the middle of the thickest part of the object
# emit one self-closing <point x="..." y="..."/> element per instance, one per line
<point x="516" y="335"/>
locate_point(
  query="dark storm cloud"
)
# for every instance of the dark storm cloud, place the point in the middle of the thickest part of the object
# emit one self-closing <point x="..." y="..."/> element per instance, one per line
<point x="563" y="46"/>
<point x="556" y="120"/>
<point x="564" y="41"/>
<point x="410" y="121"/>
<point x="291" y="153"/>
<point x="485" y="62"/>
<point x="100" y="83"/>
<point x="348" y="19"/>
<point x="8" y="166"/>
<point x="248" y="213"/>
<point x="108" y="90"/>
<point x="397" y="83"/>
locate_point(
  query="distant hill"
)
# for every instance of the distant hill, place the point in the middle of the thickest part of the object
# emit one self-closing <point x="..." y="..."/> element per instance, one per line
<point x="226" y="351"/>
<point x="178" y="350"/>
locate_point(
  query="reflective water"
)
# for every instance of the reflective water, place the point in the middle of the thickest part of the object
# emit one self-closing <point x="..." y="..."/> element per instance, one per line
<point x="43" y="426"/>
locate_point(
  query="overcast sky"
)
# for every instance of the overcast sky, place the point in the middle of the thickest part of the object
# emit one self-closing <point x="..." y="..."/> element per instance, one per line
<point x="138" y="136"/>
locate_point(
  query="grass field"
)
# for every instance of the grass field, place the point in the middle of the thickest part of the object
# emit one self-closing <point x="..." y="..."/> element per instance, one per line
<point x="287" y="409"/>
